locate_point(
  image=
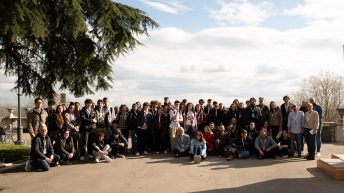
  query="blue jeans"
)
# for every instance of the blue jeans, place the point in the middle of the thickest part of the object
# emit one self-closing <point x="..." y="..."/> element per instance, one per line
<point x="318" y="138"/>
<point x="43" y="164"/>
<point x="243" y="154"/>
<point x="310" y="139"/>
<point x="298" y="137"/>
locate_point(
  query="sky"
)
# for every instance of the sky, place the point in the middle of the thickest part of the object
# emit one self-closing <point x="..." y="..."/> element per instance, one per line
<point x="224" y="49"/>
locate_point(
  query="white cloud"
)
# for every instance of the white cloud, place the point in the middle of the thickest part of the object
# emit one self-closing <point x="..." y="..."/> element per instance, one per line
<point x="318" y="10"/>
<point x="168" y="6"/>
<point x="241" y="12"/>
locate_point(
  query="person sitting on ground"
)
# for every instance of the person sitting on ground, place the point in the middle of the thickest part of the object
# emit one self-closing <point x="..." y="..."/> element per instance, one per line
<point x="265" y="145"/>
<point x="198" y="149"/>
<point x="243" y="145"/>
<point x="42" y="152"/>
<point x="100" y="150"/>
<point x="118" y="144"/>
<point x="209" y="138"/>
<point x="284" y="145"/>
<point x="219" y="141"/>
<point x="182" y="143"/>
<point x="65" y="148"/>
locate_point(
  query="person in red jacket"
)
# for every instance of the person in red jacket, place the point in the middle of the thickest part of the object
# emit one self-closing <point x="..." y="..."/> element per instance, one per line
<point x="209" y="138"/>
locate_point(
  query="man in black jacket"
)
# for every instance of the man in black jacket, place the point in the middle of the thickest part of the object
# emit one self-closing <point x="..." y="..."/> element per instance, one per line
<point x="42" y="152"/>
<point x="252" y="113"/>
<point x="87" y="128"/>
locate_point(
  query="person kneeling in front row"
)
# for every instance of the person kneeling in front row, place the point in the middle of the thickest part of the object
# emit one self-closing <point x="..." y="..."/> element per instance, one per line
<point x="42" y="152"/>
<point x="198" y="149"/>
<point x="118" y="144"/>
<point x="265" y="145"/>
<point x="182" y="143"/>
<point x="100" y="149"/>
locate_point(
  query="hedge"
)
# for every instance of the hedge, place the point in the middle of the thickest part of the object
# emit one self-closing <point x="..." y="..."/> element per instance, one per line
<point x="12" y="153"/>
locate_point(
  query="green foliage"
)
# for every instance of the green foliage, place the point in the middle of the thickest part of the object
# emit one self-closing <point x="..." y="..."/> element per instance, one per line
<point x="12" y="153"/>
<point x="70" y="43"/>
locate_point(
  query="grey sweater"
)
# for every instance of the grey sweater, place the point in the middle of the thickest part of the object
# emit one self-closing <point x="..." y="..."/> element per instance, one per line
<point x="264" y="143"/>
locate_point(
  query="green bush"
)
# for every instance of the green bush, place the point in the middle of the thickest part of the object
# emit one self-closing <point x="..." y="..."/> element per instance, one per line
<point x="12" y="153"/>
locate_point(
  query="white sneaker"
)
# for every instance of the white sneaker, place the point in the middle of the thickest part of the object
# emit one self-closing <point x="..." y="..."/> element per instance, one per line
<point x="107" y="159"/>
<point x="165" y="152"/>
<point x="82" y="158"/>
<point x="195" y="159"/>
<point x="145" y="152"/>
<point x="157" y="152"/>
<point x="96" y="160"/>
<point x="199" y="159"/>
<point x="28" y="166"/>
<point x="137" y="154"/>
<point x="317" y="154"/>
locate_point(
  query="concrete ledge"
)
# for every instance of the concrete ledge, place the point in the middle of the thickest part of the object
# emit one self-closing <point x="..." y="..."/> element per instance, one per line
<point x="337" y="156"/>
<point x="332" y="167"/>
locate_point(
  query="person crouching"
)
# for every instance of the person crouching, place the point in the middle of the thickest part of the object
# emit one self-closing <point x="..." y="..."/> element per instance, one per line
<point x="198" y="149"/>
<point x="100" y="150"/>
<point x="118" y="144"/>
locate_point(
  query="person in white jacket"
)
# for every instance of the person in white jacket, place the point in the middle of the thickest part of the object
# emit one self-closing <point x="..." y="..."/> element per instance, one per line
<point x="198" y="148"/>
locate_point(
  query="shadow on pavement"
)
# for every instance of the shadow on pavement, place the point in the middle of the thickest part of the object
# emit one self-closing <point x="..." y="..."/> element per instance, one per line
<point x="290" y="185"/>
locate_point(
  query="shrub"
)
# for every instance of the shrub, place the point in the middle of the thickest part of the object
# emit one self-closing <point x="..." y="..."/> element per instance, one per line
<point x="12" y="153"/>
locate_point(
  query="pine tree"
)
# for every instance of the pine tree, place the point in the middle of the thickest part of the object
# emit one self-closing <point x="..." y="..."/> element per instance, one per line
<point x="66" y="43"/>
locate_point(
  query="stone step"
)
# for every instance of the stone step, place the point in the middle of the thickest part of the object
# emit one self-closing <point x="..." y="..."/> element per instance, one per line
<point x="337" y="156"/>
<point x="333" y="167"/>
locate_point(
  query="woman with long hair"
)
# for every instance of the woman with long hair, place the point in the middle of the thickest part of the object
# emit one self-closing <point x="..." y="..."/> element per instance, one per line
<point x="198" y="148"/>
<point x="59" y="124"/>
<point x="201" y="117"/>
<point x="190" y="121"/>
<point x="275" y="120"/>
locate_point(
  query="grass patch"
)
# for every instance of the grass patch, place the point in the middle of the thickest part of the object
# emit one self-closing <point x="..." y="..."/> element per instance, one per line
<point x="11" y="153"/>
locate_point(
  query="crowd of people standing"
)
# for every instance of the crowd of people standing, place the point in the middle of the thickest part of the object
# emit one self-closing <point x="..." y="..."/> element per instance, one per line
<point x="99" y="131"/>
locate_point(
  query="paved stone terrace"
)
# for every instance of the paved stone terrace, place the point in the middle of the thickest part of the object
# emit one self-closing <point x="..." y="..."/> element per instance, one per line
<point x="162" y="173"/>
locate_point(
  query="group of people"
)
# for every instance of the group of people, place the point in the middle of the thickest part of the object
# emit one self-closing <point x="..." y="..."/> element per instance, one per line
<point x="98" y="131"/>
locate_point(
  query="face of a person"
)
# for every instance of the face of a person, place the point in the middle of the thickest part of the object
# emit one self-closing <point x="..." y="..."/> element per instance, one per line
<point x="220" y="106"/>
<point x="190" y="107"/>
<point x="181" y="131"/>
<point x="77" y="106"/>
<point x="198" y="136"/>
<point x="39" y="104"/>
<point x="134" y="107"/>
<point x="262" y="133"/>
<point x="311" y="100"/>
<point x="252" y="125"/>
<point x="286" y="100"/>
<point x="66" y="134"/>
<point x="261" y="100"/>
<point x="197" y="108"/>
<point x="60" y="109"/>
<point x="116" y="136"/>
<point x="309" y="107"/>
<point x="106" y="103"/>
<point x="222" y="131"/>
<point x="252" y="102"/>
<point x="51" y="106"/>
<point x="244" y="135"/>
<point x="101" y="137"/>
<point x="71" y="108"/>
<point x="176" y="105"/>
<point x="273" y="105"/>
<point x="100" y="104"/>
<point x="266" y="124"/>
<point x="236" y="102"/>
<point x="43" y="130"/>
<point x="212" y="126"/>
<point x="88" y="105"/>
<point x="209" y="102"/>
<point x="233" y="121"/>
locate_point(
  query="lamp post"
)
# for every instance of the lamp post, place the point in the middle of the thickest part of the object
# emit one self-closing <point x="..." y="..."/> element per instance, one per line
<point x="20" y="140"/>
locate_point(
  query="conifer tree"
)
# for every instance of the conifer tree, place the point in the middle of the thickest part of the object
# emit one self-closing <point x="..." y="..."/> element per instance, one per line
<point x="69" y="44"/>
